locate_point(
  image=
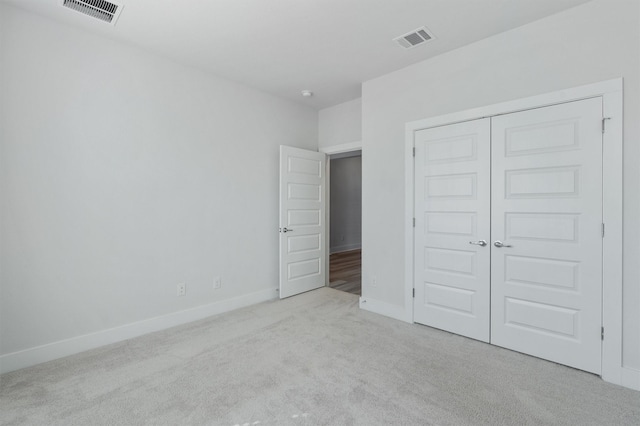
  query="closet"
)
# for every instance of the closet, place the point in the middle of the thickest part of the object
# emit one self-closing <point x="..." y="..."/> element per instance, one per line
<point x="508" y="231"/>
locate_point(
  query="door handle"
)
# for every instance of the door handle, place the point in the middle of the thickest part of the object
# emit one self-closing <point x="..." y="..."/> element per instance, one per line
<point x="480" y="243"/>
<point x="285" y="230"/>
<point x="500" y="244"/>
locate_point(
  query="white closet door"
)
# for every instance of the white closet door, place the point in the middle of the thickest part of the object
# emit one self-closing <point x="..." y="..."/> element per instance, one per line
<point x="452" y="196"/>
<point x="546" y="294"/>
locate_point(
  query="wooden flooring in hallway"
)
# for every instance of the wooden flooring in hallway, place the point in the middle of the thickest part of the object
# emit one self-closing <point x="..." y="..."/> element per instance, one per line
<point x="345" y="271"/>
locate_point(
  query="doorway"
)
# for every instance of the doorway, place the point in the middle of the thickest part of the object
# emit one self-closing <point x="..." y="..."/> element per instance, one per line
<point x="345" y="221"/>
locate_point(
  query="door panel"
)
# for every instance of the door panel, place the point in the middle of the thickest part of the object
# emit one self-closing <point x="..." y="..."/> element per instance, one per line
<point x="546" y="289"/>
<point x="302" y="220"/>
<point x="452" y="195"/>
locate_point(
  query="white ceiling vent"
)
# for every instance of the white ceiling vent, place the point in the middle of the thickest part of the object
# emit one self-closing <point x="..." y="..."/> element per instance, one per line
<point x="414" y="38"/>
<point x="107" y="11"/>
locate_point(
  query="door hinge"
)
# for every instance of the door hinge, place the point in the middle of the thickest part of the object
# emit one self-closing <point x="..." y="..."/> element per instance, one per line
<point x="414" y="151"/>
<point x="602" y="333"/>
<point x="414" y="222"/>
<point x="414" y="292"/>
<point x="604" y="120"/>
<point x="603" y="230"/>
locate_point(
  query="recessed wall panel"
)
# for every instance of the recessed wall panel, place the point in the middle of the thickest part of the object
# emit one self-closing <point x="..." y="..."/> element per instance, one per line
<point x="451" y="261"/>
<point x="304" y="192"/>
<point x="459" y="186"/>
<point x="542" y="318"/>
<point x="548" y="182"/>
<point x="305" y="166"/>
<point x="450" y="150"/>
<point x="446" y="297"/>
<point x="542" y="138"/>
<point x="303" y="269"/>
<point x="303" y="243"/>
<point x="550" y="273"/>
<point x="451" y="223"/>
<point x="542" y="226"/>
<point x="303" y="218"/>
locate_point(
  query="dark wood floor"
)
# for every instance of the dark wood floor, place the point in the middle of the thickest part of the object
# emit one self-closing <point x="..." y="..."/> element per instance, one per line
<point x="345" y="271"/>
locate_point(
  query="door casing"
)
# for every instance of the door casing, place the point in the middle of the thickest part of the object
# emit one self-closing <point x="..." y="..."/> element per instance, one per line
<point x="611" y="92"/>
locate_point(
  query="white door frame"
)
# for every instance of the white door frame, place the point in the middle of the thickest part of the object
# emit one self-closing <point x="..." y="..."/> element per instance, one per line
<point x="612" y="161"/>
<point x="330" y="150"/>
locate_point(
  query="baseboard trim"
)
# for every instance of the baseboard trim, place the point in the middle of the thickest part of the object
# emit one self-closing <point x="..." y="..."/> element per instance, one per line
<point x="32" y="356"/>
<point x="348" y="247"/>
<point x="386" y="309"/>
<point x="630" y="378"/>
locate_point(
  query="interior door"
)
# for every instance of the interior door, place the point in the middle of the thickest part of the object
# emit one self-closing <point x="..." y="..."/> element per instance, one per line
<point x="547" y="233"/>
<point x="302" y="220"/>
<point x="452" y="228"/>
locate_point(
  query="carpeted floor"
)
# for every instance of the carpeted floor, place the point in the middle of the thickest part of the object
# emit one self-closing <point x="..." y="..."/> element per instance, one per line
<point x="313" y="359"/>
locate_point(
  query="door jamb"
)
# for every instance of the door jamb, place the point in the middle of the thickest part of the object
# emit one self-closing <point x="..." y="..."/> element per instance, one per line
<point x="611" y="92"/>
<point x="330" y="150"/>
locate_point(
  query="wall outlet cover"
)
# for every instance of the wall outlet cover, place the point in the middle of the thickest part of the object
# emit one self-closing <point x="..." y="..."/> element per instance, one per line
<point x="182" y="289"/>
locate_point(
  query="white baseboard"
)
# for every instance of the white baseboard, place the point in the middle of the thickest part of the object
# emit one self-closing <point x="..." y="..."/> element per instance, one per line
<point x="32" y="356"/>
<point x="386" y="309"/>
<point x="347" y="247"/>
<point x="630" y="378"/>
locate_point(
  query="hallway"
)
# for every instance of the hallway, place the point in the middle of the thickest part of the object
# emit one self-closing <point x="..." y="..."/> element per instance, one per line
<point x="345" y="271"/>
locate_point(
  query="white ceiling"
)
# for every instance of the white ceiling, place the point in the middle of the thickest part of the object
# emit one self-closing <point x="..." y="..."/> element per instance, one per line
<point x="285" y="46"/>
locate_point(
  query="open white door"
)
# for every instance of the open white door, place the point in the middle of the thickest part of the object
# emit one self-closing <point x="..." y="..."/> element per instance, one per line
<point x="302" y="220"/>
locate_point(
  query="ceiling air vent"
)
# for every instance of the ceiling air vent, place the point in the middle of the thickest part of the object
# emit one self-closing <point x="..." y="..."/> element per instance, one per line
<point x="414" y="38"/>
<point x="106" y="11"/>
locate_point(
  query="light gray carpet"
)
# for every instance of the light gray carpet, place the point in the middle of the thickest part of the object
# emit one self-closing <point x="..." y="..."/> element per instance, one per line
<point x="313" y="359"/>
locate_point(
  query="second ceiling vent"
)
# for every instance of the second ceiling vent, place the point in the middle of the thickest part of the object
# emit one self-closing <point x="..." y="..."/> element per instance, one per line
<point x="414" y="38"/>
<point x="107" y="11"/>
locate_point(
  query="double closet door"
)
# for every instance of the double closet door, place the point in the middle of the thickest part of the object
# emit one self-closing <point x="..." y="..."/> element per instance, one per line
<point x="508" y="232"/>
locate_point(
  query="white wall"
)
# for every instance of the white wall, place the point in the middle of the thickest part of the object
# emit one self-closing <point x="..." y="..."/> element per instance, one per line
<point x="340" y="124"/>
<point x="123" y="174"/>
<point x="593" y="42"/>
<point x="346" y="203"/>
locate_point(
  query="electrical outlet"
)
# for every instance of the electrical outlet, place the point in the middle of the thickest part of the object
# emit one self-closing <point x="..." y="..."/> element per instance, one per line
<point x="182" y="289"/>
<point x="217" y="283"/>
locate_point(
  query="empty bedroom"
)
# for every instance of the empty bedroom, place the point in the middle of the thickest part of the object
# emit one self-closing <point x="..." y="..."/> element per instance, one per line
<point x="319" y="212"/>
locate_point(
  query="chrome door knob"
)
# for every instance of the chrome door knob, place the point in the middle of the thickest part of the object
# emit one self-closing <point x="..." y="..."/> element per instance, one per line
<point x="500" y="244"/>
<point x="480" y="243"/>
<point x="285" y="230"/>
